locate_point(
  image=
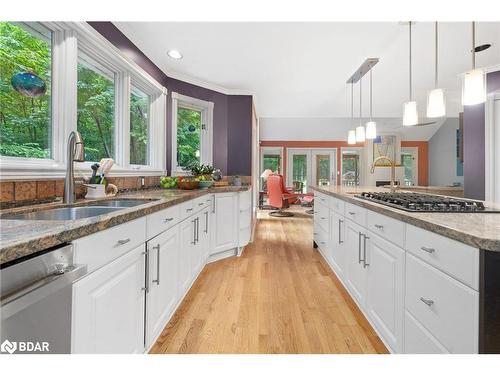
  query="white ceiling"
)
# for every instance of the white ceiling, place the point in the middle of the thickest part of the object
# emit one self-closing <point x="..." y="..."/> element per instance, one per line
<point x="300" y="69"/>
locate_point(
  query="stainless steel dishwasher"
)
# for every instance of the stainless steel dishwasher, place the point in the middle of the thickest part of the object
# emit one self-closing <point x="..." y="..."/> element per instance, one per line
<point x="35" y="303"/>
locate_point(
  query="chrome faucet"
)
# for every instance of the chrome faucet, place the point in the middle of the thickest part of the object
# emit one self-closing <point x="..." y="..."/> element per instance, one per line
<point x="75" y="152"/>
<point x="393" y="170"/>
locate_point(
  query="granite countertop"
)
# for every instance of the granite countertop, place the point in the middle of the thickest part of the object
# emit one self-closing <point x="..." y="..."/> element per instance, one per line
<point x="480" y="230"/>
<point x="19" y="238"/>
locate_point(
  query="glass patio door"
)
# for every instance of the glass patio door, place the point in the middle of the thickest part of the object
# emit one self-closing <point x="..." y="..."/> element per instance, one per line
<point x="310" y="167"/>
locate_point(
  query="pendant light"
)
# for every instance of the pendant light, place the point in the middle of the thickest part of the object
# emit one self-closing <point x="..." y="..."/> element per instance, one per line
<point x="360" y="129"/>
<point x="410" y="114"/>
<point x="351" y="135"/>
<point x="436" y="105"/>
<point x="473" y="87"/>
<point x="371" y="126"/>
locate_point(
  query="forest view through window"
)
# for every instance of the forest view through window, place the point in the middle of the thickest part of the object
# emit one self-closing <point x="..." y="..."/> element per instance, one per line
<point x="139" y="127"/>
<point x="188" y="136"/>
<point x="96" y="114"/>
<point x="25" y="90"/>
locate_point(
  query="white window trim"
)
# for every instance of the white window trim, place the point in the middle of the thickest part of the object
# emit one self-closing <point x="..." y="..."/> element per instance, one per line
<point x="206" y="143"/>
<point x="68" y="37"/>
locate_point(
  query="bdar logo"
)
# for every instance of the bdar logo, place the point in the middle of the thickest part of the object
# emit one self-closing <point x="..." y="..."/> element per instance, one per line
<point x="8" y="347"/>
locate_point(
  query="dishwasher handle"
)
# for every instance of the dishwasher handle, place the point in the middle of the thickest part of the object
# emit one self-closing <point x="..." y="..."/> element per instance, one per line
<point x="19" y="300"/>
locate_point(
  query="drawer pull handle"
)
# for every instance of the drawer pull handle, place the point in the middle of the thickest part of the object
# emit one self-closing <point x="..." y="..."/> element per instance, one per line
<point x="168" y="219"/>
<point x="201" y="204"/>
<point x="352" y="213"/>
<point x="322" y="243"/>
<point x="379" y="226"/>
<point x="428" y="302"/>
<point x="189" y="209"/>
<point x="323" y="218"/>
<point x="315" y="233"/>
<point x="122" y="242"/>
<point x="429" y="250"/>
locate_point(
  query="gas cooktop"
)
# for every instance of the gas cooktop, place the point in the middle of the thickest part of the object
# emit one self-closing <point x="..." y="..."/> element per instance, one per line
<point x="416" y="202"/>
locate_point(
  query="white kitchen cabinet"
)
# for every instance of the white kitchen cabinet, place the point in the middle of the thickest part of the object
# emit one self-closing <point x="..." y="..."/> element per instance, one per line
<point x="385" y="264"/>
<point x="245" y="218"/>
<point x="163" y="282"/>
<point x="187" y="237"/>
<point x="226" y="223"/>
<point x="356" y="273"/>
<point x="196" y="252"/>
<point x="337" y="256"/>
<point x="108" y="307"/>
<point x="205" y="231"/>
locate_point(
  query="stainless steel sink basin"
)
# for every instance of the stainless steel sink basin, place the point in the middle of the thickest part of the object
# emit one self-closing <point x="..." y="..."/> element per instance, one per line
<point x="65" y="213"/>
<point x="123" y="203"/>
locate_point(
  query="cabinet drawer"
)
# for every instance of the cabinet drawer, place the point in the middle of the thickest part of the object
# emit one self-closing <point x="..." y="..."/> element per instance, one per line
<point x="321" y="198"/>
<point x="102" y="247"/>
<point x="455" y="258"/>
<point x="445" y="307"/>
<point x="356" y="214"/>
<point x="162" y="220"/>
<point x="186" y="209"/>
<point x="322" y="239"/>
<point x="321" y="215"/>
<point x="386" y="227"/>
<point x="418" y="340"/>
<point x="200" y="203"/>
<point x="338" y="205"/>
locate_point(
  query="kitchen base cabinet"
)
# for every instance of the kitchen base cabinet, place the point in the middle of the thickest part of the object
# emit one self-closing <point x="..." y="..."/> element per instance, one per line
<point x="163" y="287"/>
<point x="108" y="307"/>
<point x="385" y="263"/>
<point x="356" y="273"/>
<point x="337" y="248"/>
<point x="187" y="250"/>
<point x="226" y="223"/>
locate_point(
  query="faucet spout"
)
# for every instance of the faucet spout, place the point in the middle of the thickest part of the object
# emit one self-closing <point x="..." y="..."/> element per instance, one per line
<point x="75" y="152"/>
<point x="393" y="170"/>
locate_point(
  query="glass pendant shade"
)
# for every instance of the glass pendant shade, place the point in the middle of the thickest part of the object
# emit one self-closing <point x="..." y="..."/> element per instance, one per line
<point x="371" y="130"/>
<point x="436" y="105"/>
<point x="410" y="114"/>
<point x="360" y="133"/>
<point x="351" y="137"/>
<point x="474" y="87"/>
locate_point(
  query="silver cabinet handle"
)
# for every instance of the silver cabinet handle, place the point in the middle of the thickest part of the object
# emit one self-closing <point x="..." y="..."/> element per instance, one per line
<point x="157" y="281"/>
<point x="206" y="221"/>
<point x="429" y="250"/>
<point x="194" y="231"/>
<point x="189" y="209"/>
<point x="340" y="231"/>
<point x="201" y="204"/>
<point x="146" y="260"/>
<point x="359" y="247"/>
<point x="427" y="301"/>
<point x="323" y="218"/>
<point x="122" y="242"/>
<point x="214" y="207"/>
<point x="197" y="229"/>
<point x="378" y="226"/>
<point x="365" y="237"/>
<point x="168" y="219"/>
<point x="351" y="213"/>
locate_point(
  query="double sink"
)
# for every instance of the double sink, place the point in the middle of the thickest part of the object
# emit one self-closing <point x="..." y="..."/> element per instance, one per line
<point x="80" y="212"/>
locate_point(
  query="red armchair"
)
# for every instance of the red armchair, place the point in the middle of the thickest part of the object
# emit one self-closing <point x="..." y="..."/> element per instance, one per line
<point x="278" y="196"/>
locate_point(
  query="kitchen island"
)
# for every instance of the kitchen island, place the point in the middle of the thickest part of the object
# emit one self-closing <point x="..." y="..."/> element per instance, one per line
<point x="424" y="280"/>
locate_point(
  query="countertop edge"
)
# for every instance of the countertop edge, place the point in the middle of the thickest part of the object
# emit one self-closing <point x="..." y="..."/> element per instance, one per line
<point x="468" y="239"/>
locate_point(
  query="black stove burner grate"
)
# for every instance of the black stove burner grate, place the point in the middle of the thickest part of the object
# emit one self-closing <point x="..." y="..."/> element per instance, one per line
<point x="416" y="202"/>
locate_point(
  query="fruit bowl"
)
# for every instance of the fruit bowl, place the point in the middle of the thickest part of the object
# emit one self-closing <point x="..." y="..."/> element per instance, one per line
<point x="206" y="184"/>
<point x="188" y="184"/>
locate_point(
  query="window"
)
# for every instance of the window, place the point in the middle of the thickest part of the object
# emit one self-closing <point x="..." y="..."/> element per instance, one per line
<point x="139" y="127"/>
<point x="350" y="168"/>
<point x="25" y="90"/>
<point x="192" y="121"/>
<point x="188" y="137"/>
<point x="96" y="110"/>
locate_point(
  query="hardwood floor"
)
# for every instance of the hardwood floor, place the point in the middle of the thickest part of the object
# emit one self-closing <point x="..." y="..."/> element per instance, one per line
<point x="279" y="297"/>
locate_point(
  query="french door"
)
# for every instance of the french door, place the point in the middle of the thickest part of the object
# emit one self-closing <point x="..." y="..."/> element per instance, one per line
<point x="307" y="166"/>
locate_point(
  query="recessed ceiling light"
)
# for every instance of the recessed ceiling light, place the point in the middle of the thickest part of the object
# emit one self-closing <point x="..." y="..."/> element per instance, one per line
<point x="173" y="53"/>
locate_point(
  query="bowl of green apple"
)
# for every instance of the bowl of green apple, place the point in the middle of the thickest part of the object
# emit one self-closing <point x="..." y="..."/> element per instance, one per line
<point x="204" y="181"/>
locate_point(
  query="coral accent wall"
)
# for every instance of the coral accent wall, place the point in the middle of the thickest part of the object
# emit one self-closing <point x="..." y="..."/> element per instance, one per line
<point x="423" y="156"/>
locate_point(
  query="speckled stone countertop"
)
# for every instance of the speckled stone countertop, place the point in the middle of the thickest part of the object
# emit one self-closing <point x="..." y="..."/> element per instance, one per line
<point x="480" y="230"/>
<point x="19" y="238"/>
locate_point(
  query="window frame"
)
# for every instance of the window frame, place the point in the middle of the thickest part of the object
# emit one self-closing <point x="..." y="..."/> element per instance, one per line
<point x="67" y="39"/>
<point x="206" y="142"/>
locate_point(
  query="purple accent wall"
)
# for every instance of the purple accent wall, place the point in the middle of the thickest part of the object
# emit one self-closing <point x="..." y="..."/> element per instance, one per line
<point x="474" y="147"/>
<point x="232" y="113"/>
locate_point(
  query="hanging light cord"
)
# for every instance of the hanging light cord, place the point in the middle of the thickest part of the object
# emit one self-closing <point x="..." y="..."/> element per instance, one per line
<point x="409" y="28"/>
<point x="436" y="56"/>
<point x="473" y="45"/>
<point x="360" y="103"/>
<point x="352" y="102"/>
<point x="371" y="94"/>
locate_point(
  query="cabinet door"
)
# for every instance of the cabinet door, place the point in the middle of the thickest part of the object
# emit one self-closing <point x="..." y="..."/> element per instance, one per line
<point x="108" y="307"/>
<point x="337" y="240"/>
<point x="187" y="237"/>
<point x="356" y="273"/>
<point x="205" y="231"/>
<point x="225" y="231"/>
<point x="163" y="283"/>
<point x="385" y="293"/>
<point x="197" y="250"/>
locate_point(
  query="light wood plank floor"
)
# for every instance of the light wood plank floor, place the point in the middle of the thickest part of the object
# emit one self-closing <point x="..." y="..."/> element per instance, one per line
<point x="279" y="297"/>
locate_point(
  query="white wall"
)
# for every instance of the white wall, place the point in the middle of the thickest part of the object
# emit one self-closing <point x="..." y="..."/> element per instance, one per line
<point x="442" y="155"/>
<point x="334" y="129"/>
